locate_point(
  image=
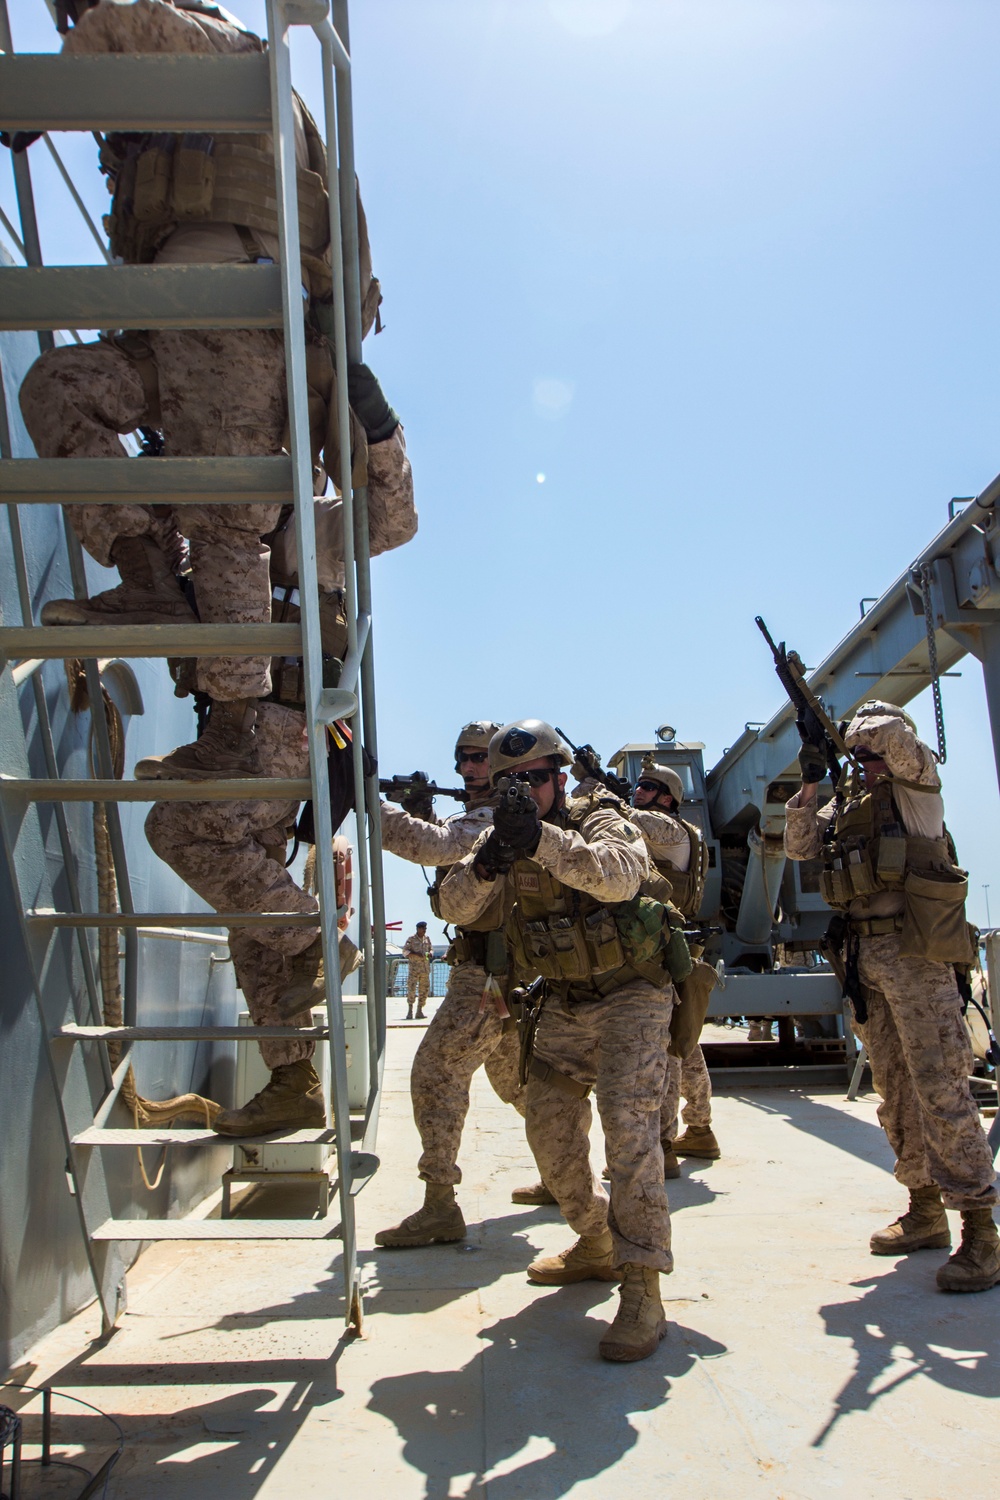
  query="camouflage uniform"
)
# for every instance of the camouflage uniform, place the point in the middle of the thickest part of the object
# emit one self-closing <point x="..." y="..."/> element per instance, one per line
<point x="668" y="843"/>
<point x="690" y="1079"/>
<point x="221" y="391"/>
<point x="220" y="849"/>
<point x="417" y="950"/>
<point x="616" y="1044"/>
<point x="463" y="1034"/>
<point x="916" y="1040"/>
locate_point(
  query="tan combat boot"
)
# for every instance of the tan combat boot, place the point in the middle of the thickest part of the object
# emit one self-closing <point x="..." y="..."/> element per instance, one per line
<point x="535" y="1193"/>
<point x="640" y="1323"/>
<point x="671" y="1166"/>
<point x="228" y="747"/>
<point x="698" y="1140"/>
<point x="149" y="593"/>
<point x="924" y="1226"/>
<point x="975" y="1266"/>
<point x="306" y="986"/>
<point x="591" y="1258"/>
<point x="439" y="1222"/>
<point x="293" y="1100"/>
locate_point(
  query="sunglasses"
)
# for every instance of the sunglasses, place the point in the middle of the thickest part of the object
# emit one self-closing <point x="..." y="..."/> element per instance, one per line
<point x="477" y="757"/>
<point x="534" y="778"/>
<point x="649" y="786"/>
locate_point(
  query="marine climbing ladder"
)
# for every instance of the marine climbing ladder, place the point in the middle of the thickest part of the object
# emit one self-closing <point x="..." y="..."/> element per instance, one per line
<point x="239" y="93"/>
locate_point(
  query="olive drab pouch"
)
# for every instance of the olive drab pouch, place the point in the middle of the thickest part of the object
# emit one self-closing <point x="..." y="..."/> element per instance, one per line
<point x="603" y="941"/>
<point x="934" y="924"/>
<point x="890" y="862"/>
<point x="495" y="959"/>
<point x="194" y="177"/>
<point x="688" y="1015"/>
<point x="154" y="168"/>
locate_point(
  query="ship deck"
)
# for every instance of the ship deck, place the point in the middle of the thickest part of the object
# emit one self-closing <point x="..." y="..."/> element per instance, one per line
<point x="796" y="1366"/>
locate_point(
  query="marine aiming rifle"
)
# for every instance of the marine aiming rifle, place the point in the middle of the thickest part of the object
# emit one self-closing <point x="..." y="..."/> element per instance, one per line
<point x="589" y="763"/>
<point x="398" y="787"/>
<point x="815" y="725"/>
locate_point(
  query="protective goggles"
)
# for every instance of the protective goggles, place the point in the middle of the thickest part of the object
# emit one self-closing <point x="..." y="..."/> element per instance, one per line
<point x="651" y="786"/>
<point x="476" y="757"/>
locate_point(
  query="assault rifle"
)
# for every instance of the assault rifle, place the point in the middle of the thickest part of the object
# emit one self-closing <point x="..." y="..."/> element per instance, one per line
<point x="588" y="763"/>
<point x="397" y="787"/>
<point x="815" y="725"/>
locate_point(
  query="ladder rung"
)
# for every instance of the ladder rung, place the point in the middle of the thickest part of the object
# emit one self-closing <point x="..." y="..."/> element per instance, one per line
<point x="59" y="642"/>
<point x="42" y="918"/>
<point x="217" y="1229"/>
<point x="53" y="297"/>
<point x="199" y="1136"/>
<point x="246" y="789"/>
<point x="168" y="481"/>
<point x="75" y="1033"/>
<point x="119" y="92"/>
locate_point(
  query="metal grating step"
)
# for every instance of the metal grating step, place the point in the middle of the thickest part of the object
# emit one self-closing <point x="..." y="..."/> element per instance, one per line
<point x="170" y="481"/>
<point x="56" y="642"/>
<point x="242" y="789"/>
<point x="118" y="92"/>
<point x="73" y="1033"/>
<point x="56" y="297"/>
<point x="199" y="1136"/>
<point x="217" y="1229"/>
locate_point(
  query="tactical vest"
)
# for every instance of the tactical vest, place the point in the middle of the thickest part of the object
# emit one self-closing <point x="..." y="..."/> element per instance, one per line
<point x="870" y="850"/>
<point x="588" y="947"/>
<point x="687" y="887"/>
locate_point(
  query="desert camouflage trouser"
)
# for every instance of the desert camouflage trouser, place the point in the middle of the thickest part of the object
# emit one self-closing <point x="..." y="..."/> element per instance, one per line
<point x="688" y="1079"/>
<point x="219" y="848"/>
<point x="221" y="393"/>
<point x="619" y="1045"/>
<point x="418" y="981"/>
<point x="460" y="1039"/>
<point x="921" y="1059"/>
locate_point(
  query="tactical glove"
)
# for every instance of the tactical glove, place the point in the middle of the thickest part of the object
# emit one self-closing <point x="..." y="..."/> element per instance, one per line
<point x="812" y="763"/>
<point x="369" y="404"/>
<point x="494" y="858"/>
<point x="418" y="802"/>
<point x="520" y="829"/>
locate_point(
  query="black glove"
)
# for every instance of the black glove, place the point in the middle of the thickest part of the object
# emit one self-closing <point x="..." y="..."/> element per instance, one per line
<point x="812" y="763"/>
<point x="418" y="802"/>
<point x="369" y="404"/>
<point x="494" y="858"/>
<point x="19" y="140"/>
<point x="519" y="828"/>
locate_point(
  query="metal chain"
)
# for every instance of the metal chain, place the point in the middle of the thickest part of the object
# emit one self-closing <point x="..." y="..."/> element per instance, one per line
<point x="926" y="579"/>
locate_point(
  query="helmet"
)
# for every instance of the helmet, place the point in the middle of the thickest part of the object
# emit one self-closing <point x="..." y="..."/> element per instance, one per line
<point x="875" y="708"/>
<point x="475" y="736"/>
<point x="524" y="740"/>
<point x="668" y="778"/>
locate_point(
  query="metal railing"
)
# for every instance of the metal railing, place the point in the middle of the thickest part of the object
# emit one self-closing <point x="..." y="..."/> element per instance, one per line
<point x="354" y="696"/>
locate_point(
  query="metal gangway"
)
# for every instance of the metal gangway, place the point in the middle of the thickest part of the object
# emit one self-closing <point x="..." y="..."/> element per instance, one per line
<point x="250" y="93"/>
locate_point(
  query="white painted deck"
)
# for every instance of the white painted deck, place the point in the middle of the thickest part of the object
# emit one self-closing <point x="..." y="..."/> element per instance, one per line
<point x="797" y="1365"/>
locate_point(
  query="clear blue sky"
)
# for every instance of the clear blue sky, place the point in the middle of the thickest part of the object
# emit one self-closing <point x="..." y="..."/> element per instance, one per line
<point x="723" y="271"/>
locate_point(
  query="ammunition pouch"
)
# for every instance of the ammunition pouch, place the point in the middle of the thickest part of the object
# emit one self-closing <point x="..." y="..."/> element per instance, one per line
<point x="688" y="1017"/>
<point x="287" y="672"/>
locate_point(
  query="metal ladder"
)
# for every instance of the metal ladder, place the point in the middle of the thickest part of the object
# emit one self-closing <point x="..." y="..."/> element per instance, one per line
<point x="243" y="93"/>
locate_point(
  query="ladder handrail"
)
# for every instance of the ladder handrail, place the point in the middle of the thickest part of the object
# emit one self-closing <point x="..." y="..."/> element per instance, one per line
<point x="355" y="696"/>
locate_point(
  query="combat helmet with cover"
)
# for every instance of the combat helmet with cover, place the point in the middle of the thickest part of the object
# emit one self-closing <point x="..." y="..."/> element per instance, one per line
<point x="475" y="736"/>
<point x="667" y="777"/>
<point x="876" y="708"/>
<point x="522" y="740"/>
